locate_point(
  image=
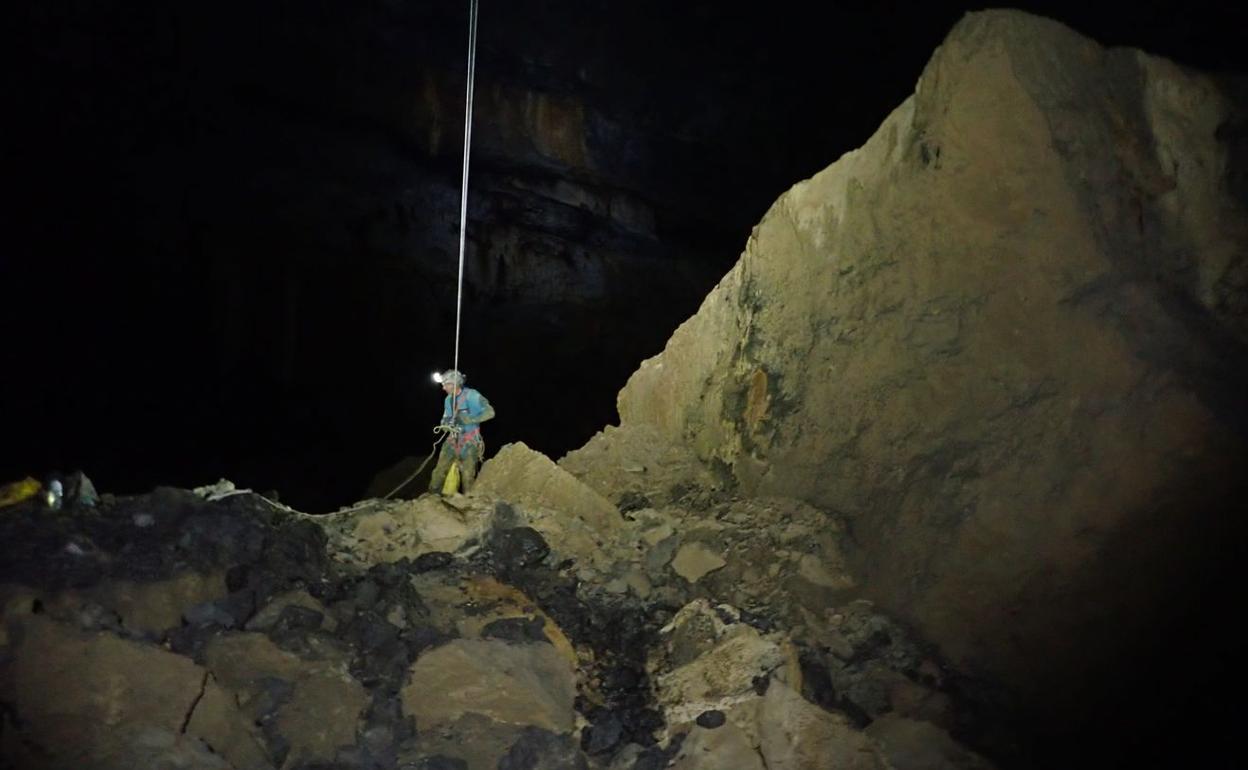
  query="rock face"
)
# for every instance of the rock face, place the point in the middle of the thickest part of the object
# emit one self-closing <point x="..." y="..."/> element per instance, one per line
<point x="95" y="700"/>
<point x="322" y="702"/>
<point x="529" y="478"/>
<point x="528" y="684"/>
<point x="1006" y="339"/>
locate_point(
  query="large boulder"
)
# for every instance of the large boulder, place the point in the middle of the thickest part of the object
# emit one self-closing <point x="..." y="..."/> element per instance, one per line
<point x="794" y="734"/>
<point x="91" y="699"/>
<point x="710" y="660"/>
<point x="139" y="608"/>
<point x="517" y="684"/>
<point x="569" y="514"/>
<point x="636" y="466"/>
<point x="309" y="707"/>
<point x="722" y="747"/>
<point x="524" y="476"/>
<point x="408" y="529"/>
<point x="1005" y="338"/>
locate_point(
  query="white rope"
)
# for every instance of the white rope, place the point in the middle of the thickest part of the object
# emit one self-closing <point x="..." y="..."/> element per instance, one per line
<point x="463" y="199"/>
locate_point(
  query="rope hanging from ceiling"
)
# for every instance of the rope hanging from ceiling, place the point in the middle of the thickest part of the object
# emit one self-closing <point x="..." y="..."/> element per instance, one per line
<point x="463" y="198"/>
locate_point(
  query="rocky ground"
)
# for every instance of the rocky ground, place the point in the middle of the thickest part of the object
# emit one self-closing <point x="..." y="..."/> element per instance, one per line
<point x="634" y="619"/>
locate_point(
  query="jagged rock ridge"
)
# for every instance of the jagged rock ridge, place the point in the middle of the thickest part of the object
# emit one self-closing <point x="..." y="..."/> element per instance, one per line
<point x="1006" y="340"/>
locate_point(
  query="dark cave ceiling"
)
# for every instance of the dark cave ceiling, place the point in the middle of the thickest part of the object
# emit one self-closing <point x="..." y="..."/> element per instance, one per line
<point x="233" y="250"/>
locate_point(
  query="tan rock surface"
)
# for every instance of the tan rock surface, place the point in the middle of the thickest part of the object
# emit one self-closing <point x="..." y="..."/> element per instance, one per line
<point x="404" y="529"/>
<point x="724" y="747"/>
<point x="694" y="561"/>
<point x="518" y="684"/>
<point x="270" y="612"/>
<point x="527" y="477"/>
<point x="570" y="515"/>
<point x="144" y="608"/>
<point x="639" y="459"/>
<point x="90" y="699"/>
<point x="219" y="722"/>
<point x="915" y="745"/>
<point x="720" y="678"/>
<point x="981" y="338"/>
<point x="477" y="741"/>
<point x="794" y="734"/>
<point x="708" y="663"/>
<point x="324" y="708"/>
<point x="155" y="607"/>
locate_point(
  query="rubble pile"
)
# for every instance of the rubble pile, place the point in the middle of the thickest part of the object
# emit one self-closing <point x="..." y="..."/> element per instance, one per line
<point x="187" y="629"/>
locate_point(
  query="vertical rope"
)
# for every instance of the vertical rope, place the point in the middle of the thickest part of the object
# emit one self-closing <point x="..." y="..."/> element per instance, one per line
<point x="463" y="199"/>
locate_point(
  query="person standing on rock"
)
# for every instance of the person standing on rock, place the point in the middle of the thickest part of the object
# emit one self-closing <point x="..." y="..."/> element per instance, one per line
<point x="462" y="414"/>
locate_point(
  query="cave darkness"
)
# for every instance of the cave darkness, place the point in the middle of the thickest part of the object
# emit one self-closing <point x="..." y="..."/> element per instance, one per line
<point x="233" y="249"/>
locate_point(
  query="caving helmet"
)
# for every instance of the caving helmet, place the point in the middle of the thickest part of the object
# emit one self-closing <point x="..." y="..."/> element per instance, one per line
<point x="449" y="377"/>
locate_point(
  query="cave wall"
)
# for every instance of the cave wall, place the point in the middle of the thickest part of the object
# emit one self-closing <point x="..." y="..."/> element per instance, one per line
<point x="1005" y="339"/>
<point x="239" y="237"/>
<point x="235" y="235"/>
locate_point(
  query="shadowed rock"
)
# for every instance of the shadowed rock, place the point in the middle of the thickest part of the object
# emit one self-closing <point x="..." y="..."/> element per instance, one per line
<point x="1007" y="339"/>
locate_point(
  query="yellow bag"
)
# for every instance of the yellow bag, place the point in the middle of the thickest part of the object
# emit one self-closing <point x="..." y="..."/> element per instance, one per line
<point x="11" y="494"/>
<point x="451" y="485"/>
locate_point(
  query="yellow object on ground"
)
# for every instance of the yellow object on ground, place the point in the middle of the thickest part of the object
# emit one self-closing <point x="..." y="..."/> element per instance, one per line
<point x="17" y="491"/>
<point x="451" y="485"/>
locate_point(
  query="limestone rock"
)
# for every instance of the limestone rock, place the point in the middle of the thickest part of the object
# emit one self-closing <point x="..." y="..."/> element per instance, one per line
<point x="218" y="721"/>
<point x="813" y="569"/>
<point x="407" y="529"/>
<point x="491" y="601"/>
<point x="93" y="700"/>
<point x="914" y="745"/>
<point x="570" y="515"/>
<point x="694" y="561"/>
<point x="1005" y="339"/>
<point x="638" y="460"/>
<point x="525" y="684"/>
<point x="269" y="614"/>
<point x="140" y="608"/>
<point x="721" y="677"/>
<point x="471" y="742"/>
<point x="712" y="661"/>
<point x="694" y="630"/>
<point x="724" y="747"/>
<point x="322" y="704"/>
<point x="795" y="734"/>
<point x="161" y="748"/>
<point x="530" y="478"/>
<point x="539" y="748"/>
<point x="154" y="607"/>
